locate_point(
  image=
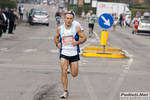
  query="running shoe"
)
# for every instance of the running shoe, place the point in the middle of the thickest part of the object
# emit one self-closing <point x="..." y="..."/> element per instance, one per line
<point x="65" y="95"/>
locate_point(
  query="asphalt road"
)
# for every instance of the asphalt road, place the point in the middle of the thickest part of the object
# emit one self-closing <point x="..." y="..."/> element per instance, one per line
<point x="30" y="65"/>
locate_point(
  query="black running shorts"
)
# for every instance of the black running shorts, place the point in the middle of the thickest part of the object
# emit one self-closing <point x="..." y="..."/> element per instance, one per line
<point x="91" y="26"/>
<point x="70" y="58"/>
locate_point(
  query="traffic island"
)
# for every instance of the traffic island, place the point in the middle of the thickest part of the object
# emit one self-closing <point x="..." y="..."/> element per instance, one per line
<point x="97" y="51"/>
<point x="105" y="21"/>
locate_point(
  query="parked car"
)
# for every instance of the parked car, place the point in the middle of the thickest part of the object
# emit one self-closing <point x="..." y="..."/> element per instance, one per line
<point x="145" y="25"/>
<point x="145" y="22"/>
<point x="128" y="20"/>
<point x="38" y="16"/>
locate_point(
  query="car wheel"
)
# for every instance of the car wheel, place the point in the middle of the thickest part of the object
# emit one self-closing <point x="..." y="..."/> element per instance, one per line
<point x="47" y="24"/>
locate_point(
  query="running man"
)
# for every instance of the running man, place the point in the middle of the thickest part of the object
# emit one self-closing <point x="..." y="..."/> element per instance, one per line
<point x="57" y="16"/>
<point x="78" y="24"/>
<point x="115" y="21"/>
<point x="91" y="20"/>
<point x="136" y="21"/>
<point x="67" y="40"/>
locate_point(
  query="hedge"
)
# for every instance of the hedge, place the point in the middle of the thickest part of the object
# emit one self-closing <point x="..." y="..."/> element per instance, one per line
<point x="139" y="7"/>
<point x="133" y="12"/>
<point x="78" y="10"/>
<point x="8" y="4"/>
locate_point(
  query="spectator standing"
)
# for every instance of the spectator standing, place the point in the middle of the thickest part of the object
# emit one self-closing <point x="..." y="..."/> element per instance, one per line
<point x="2" y="22"/>
<point x="19" y="9"/>
<point x="123" y="20"/>
<point x="6" y="10"/>
<point x="11" y="21"/>
<point x="21" y="13"/>
<point x="83" y="15"/>
<point x="16" y="18"/>
<point x="120" y="19"/>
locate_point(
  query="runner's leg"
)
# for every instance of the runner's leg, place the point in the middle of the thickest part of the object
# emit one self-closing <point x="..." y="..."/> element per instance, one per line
<point x="92" y="28"/>
<point x="134" y="31"/>
<point x="74" y="68"/>
<point x="125" y="23"/>
<point x="64" y="67"/>
<point x="89" y="30"/>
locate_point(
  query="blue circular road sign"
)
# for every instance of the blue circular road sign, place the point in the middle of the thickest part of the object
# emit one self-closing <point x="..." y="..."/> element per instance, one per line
<point x="138" y="13"/>
<point x="105" y="21"/>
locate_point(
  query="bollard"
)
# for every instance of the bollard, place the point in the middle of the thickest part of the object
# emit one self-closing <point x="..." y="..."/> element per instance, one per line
<point x="104" y="36"/>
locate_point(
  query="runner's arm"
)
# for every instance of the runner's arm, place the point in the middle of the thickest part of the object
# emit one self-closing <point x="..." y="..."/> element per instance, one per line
<point x="133" y="21"/>
<point x="81" y="35"/>
<point x="56" y="38"/>
<point x="95" y="17"/>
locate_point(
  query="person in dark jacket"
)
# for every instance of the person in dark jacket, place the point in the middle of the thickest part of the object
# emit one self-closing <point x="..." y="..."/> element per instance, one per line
<point x="19" y="9"/>
<point x="120" y="19"/>
<point x="2" y="22"/>
<point x="6" y="14"/>
<point x="11" y="21"/>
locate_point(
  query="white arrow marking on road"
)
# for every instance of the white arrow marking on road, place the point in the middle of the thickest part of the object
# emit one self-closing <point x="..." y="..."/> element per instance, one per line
<point x="106" y="21"/>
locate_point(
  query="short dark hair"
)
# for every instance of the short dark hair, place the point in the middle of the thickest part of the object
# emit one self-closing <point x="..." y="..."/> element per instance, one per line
<point x="70" y="12"/>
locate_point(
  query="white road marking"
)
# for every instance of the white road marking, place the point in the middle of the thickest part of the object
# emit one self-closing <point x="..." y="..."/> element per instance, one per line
<point x="89" y="88"/>
<point x="54" y="51"/>
<point x="41" y="38"/>
<point x="29" y="50"/>
<point x="3" y="49"/>
<point x="116" y="87"/>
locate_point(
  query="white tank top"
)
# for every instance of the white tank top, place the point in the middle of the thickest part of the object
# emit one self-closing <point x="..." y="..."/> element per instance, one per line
<point x="67" y="37"/>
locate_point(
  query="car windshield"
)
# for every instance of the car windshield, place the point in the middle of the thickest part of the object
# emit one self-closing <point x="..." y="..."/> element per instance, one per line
<point x="145" y="20"/>
<point x="40" y="13"/>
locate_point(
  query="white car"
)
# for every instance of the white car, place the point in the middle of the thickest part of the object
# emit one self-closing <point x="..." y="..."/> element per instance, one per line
<point x="145" y="22"/>
<point x="39" y="16"/>
<point x="145" y="25"/>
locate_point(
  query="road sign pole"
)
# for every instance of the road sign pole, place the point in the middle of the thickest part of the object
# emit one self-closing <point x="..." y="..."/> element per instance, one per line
<point x="103" y="48"/>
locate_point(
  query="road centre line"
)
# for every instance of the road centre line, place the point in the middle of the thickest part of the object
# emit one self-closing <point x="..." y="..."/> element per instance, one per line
<point x="116" y="87"/>
<point x="89" y="88"/>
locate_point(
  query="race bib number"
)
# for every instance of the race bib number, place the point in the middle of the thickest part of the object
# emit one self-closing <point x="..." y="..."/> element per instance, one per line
<point x="67" y="38"/>
<point x="136" y="23"/>
<point x="91" y="19"/>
